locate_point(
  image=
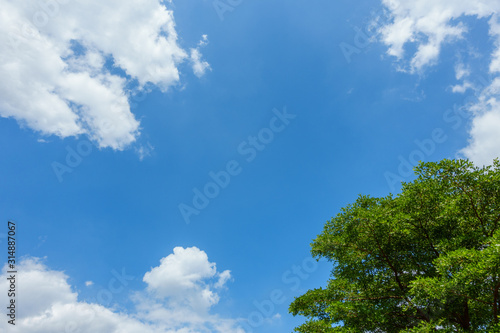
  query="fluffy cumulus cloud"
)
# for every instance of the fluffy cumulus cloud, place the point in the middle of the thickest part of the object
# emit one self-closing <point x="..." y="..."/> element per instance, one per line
<point x="56" y="58"/>
<point x="182" y="279"/>
<point x="428" y="25"/>
<point x="47" y="303"/>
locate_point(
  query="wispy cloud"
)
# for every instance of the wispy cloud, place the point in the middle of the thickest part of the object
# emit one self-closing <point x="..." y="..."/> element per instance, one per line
<point x="430" y="24"/>
<point x="199" y="66"/>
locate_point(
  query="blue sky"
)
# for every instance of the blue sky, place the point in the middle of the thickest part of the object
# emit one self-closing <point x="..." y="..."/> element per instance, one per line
<point x="113" y="117"/>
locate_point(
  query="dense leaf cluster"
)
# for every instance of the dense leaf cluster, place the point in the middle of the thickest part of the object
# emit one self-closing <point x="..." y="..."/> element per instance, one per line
<point x="425" y="260"/>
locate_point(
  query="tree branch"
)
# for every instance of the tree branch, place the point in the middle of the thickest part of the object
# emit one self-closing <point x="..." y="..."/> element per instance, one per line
<point x="473" y="206"/>
<point x="396" y="276"/>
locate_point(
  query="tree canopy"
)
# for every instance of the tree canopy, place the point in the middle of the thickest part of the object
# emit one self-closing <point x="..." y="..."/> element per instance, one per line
<point x="425" y="260"/>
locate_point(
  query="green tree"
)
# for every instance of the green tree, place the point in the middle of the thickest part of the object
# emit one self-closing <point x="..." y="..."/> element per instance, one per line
<point x="425" y="260"/>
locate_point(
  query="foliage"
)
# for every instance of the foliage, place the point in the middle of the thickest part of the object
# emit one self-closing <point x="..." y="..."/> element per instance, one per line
<point x="425" y="260"/>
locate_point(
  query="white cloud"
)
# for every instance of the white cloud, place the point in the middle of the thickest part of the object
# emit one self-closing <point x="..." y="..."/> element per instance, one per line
<point x="186" y="278"/>
<point x="144" y="151"/>
<point x="223" y="278"/>
<point x="54" y="78"/>
<point x="88" y="283"/>
<point x="199" y="66"/>
<point x="203" y="41"/>
<point x="461" y="88"/>
<point x="484" y="142"/>
<point x="428" y="25"/>
<point x="461" y="71"/>
<point x="495" y="34"/>
<point x="46" y="302"/>
<point x="39" y="289"/>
